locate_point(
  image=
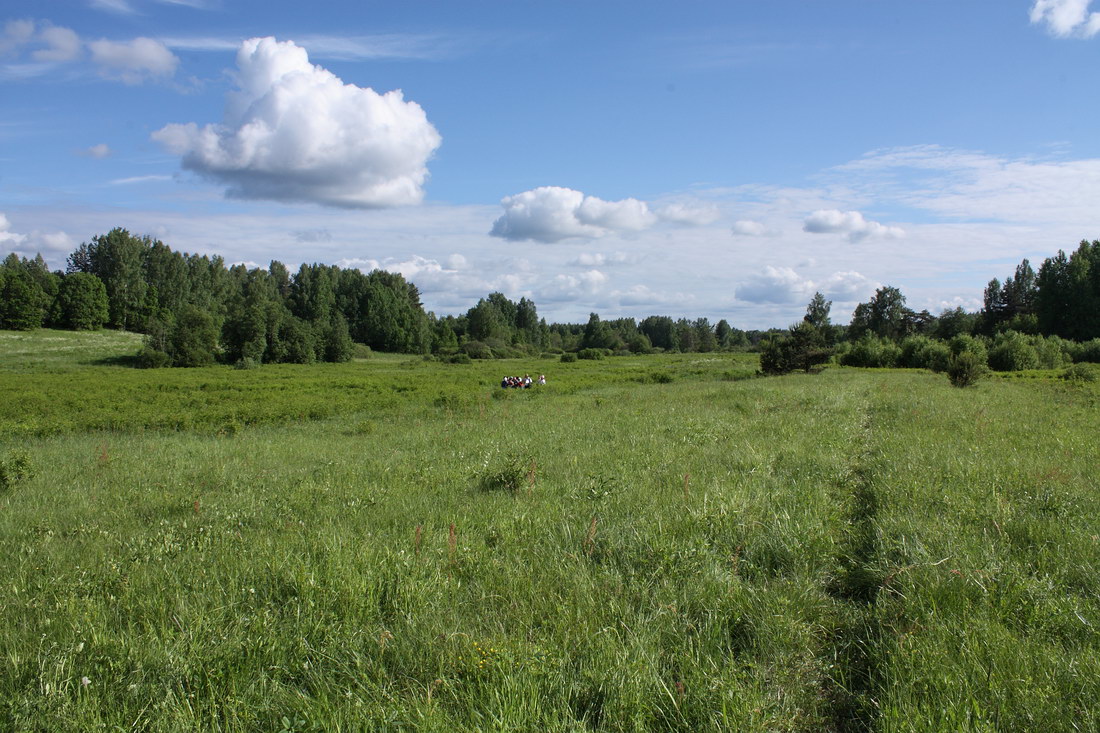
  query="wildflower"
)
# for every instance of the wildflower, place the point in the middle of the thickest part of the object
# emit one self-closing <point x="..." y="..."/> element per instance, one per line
<point x="85" y="681"/>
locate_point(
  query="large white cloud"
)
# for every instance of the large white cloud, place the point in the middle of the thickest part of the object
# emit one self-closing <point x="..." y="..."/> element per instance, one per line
<point x="552" y="213"/>
<point x="850" y="223"/>
<point x="296" y="132"/>
<point x="1065" y="18"/>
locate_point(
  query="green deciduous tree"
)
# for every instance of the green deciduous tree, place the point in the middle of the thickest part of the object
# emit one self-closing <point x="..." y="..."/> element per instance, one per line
<point x="82" y="302"/>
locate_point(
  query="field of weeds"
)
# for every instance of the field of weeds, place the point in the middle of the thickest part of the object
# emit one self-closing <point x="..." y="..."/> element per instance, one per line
<point x="647" y="543"/>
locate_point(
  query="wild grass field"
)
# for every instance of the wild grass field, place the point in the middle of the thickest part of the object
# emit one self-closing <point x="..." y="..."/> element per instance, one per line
<point x="647" y="543"/>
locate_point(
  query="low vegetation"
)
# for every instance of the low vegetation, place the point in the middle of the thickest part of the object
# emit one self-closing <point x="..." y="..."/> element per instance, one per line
<point x="645" y="543"/>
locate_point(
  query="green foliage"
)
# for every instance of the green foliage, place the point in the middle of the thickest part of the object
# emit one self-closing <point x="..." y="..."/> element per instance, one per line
<point x="1081" y="373"/>
<point x="193" y="339"/>
<point x="921" y="352"/>
<point x="504" y="471"/>
<point x="1088" y="351"/>
<point x="152" y="358"/>
<point x="965" y="369"/>
<point x="965" y="343"/>
<point x="14" y="468"/>
<point x="1012" y="352"/>
<point x="23" y="301"/>
<point x="885" y="316"/>
<point x="82" y="302"/>
<point x="477" y="350"/>
<point x="593" y="354"/>
<point x="870" y="550"/>
<point x="568" y="357"/>
<point x="872" y="351"/>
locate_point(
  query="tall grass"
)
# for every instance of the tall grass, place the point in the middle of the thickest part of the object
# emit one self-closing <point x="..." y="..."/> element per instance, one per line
<point x="852" y="550"/>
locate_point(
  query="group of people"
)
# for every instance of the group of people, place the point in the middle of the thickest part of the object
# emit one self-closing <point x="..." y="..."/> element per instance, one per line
<point x="522" y="382"/>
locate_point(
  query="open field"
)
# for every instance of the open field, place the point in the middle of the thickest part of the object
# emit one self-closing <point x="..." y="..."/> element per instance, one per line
<point x="650" y="543"/>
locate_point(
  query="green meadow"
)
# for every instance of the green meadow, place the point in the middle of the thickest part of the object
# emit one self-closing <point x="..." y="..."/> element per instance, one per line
<point x="651" y="543"/>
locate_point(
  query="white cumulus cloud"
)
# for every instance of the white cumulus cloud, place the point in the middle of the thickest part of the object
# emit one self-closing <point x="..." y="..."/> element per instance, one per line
<point x="848" y="287"/>
<point x="1065" y="18"/>
<point x="296" y="132"/>
<point x="775" y="285"/>
<point x="850" y="223"/>
<point x="133" y="62"/>
<point x="552" y="213"/>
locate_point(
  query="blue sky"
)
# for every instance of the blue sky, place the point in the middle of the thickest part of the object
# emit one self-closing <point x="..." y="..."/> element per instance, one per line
<point x="719" y="159"/>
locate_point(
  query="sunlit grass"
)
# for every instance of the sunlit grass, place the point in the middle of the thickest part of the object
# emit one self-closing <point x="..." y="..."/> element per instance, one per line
<point x="851" y="550"/>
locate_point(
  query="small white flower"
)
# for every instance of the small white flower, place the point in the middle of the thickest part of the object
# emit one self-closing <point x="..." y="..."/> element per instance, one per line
<point x="85" y="681"/>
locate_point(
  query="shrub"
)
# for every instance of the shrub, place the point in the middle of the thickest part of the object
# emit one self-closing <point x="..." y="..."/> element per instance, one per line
<point x="246" y="362"/>
<point x="1054" y="352"/>
<point x="459" y="358"/>
<point x="965" y="369"/>
<point x="568" y="357"/>
<point x="964" y="342"/>
<point x="921" y="352"/>
<point x="150" y="358"/>
<point x="477" y="350"/>
<point x="590" y="354"/>
<point x="872" y="351"/>
<point x="1013" y="353"/>
<point x="361" y="351"/>
<point x="13" y="469"/>
<point x="1087" y="351"/>
<point x="1080" y="373"/>
<point x="657" y="377"/>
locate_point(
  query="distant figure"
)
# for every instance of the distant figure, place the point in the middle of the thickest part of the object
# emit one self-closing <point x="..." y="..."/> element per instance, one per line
<point x="542" y="379"/>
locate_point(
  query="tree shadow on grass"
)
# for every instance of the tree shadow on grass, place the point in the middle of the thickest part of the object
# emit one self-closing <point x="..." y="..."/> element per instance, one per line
<point x="121" y="360"/>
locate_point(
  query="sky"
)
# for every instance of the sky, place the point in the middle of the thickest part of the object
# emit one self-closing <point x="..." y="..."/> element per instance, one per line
<point x="721" y="159"/>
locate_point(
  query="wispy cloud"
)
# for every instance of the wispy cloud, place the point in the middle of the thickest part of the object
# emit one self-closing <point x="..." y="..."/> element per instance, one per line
<point x="120" y="7"/>
<point x="38" y="48"/>
<point x="139" y="179"/>
<point x="418" y="46"/>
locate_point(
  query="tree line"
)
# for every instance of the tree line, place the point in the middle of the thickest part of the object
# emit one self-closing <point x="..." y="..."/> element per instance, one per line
<point x="195" y="310"/>
<point x="1031" y="320"/>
